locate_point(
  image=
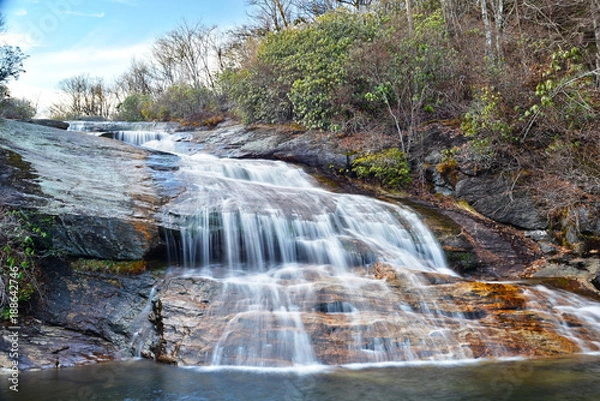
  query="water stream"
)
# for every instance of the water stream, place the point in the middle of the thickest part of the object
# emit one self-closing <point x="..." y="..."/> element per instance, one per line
<point x="309" y="277"/>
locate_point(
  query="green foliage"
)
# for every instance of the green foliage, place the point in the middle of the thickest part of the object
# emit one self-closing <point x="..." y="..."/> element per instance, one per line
<point x="405" y="77"/>
<point x="133" y="267"/>
<point x="566" y="96"/>
<point x="389" y="167"/>
<point x="485" y="117"/>
<point x="298" y="70"/>
<point x="20" y="240"/>
<point x="131" y="109"/>
<point x="178" y="102"/>
<point x="18" y="109"/>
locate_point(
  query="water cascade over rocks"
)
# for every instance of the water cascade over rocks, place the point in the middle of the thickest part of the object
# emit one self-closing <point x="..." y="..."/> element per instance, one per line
<point x="269" y="270"/>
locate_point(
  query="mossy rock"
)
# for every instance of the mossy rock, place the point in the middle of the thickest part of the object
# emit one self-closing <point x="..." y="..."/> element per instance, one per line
<point x="130" y="267"/>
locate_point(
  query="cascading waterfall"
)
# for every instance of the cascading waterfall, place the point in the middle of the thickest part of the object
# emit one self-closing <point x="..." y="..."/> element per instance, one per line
<point x="139" y="137"/>
<point x="311" y="277"/>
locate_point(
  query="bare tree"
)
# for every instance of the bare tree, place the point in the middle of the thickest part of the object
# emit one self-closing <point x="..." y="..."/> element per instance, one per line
<point x="11" y="62"/>
<point x="488" y="30"/>
<point x="138" y="79"/>
<point x="595" y="7"/>
<point x="272" y="15"/>
<point x="83" y="96"/>
<point x="184" y="55"/>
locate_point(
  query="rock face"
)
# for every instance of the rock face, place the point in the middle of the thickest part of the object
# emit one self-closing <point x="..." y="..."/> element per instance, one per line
<point x="84" y="318"/>
<point x="483" y="320"/>
<point x="313" y="149"/>
<point x="48" y="123"/>
<point x="101" y="194"/>
<point x="494" y="199"/>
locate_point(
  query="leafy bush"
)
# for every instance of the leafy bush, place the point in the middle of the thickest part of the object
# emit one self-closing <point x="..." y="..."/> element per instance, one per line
<point x="18" y="109"/>
<point x="404" y="78"/>
<point x="389" y="167"/>
<point x="297" y="71"/>
<point x="131" y="109"/>
<point x="179" y="102"/>
<point x="19" y="272"/>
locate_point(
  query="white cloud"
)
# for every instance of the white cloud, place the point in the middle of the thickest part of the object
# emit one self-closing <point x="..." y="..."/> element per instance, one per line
<point x="80" y="14"/>
<point x="45" y="70"/>
<point x="23" y="40"/>
<point x="21" y="12"/>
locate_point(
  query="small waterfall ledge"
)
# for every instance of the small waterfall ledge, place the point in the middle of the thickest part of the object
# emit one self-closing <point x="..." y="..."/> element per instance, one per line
<point x="268" y="270"/>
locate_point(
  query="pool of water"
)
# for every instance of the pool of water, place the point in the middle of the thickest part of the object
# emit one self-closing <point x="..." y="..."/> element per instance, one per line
<point x="557" y="379"/>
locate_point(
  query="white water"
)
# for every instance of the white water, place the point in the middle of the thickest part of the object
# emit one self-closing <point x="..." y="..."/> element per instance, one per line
<point x="294" y="260"/>
<point x="104" y="126"/>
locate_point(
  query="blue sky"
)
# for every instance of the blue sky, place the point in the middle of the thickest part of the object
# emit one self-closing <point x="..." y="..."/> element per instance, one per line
<point x="64" y="38"/>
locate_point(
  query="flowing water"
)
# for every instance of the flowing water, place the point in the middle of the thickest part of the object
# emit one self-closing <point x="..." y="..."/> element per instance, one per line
<point x="309" y="277"/>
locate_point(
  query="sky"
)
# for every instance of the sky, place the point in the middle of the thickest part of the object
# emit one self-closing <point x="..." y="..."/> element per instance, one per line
<point x="65" y="38"/>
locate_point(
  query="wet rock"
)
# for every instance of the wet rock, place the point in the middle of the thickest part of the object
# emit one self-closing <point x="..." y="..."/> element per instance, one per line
<point x="96" y="304"/>
<point x="447" y="317"/>
<point x="441" y="184"/>
<point x="44" y="347"/>
<point x="314" y="149"/>
<point x="180" y="314"/>
<point x="583" y="270"/>
<point x="99" y="196"/>
<point x="581" y="229"/>
<point x="48" y="123"/>
<point x="83" y="318"/>
<point x="496" y="199"/>
<point x="596" y="281"/>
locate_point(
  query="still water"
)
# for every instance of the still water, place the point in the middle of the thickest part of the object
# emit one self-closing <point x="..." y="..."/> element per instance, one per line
<point x="576" y="378"/>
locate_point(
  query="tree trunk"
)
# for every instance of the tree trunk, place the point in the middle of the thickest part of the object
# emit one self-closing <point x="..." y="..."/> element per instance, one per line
<point x="595" y="5"/>
<point x="409" y="13"/>
<point x="450" y="17"/>
<point x="488" y="31"/>
<point x="499" y="16"/>
<point x="281" y="10"/>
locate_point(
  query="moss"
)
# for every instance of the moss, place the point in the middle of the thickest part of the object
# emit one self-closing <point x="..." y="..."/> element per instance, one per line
<point x="389" y="167"/>
<point x="17" y="172"/>
<point x="133" y="267"/>
<point x="462" y="261"/>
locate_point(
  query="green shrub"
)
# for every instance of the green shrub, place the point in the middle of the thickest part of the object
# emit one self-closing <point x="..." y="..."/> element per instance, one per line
<point x="389" y="167"/>
<point x="178" y="102"/>
<point x="298" y="70"/>
<point x="19" y="252"/>
<point x="17" y="109"/>
<point x="131" y="109"/>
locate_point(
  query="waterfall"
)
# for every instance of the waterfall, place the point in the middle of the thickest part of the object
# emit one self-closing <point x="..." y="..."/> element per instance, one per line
<point x="139" y="137"/>
<point x="309" y="277"/>
<point x="113" y="126"/>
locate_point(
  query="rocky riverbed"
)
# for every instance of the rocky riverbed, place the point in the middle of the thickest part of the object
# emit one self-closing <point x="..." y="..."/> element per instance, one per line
<point x="103" y="198"/>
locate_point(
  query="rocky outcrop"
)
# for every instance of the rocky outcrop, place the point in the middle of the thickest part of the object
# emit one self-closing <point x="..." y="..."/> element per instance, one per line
<point x="487" y="319"/>
<point x="495" y="199"/>
<point x="98" y="196"/>
<point x="102" y="197"/>
<point x="312" y="148"/>
<point x="48" y="123"/>
<point x="84" y="317"/>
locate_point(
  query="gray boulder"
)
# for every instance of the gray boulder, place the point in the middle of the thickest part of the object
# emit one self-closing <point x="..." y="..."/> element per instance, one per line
<point x="99" y="195"/>
<point x="495" y="199"/>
